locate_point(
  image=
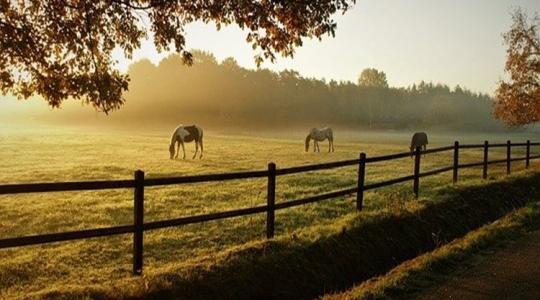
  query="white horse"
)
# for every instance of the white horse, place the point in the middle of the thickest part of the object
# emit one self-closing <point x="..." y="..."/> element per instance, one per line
<point x="319" y="135"/>
<point x="185" y="134"/>
<point x="419" y="139"/>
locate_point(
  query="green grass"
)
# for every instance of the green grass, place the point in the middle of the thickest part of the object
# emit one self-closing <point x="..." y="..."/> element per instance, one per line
<point x="103" y="263"/>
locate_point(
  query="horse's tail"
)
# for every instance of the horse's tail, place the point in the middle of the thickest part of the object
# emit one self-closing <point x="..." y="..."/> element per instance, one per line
<point x="308" y="137"/>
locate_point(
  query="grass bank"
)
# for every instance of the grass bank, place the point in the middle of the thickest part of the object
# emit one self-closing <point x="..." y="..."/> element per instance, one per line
<point x="418" y="274"/>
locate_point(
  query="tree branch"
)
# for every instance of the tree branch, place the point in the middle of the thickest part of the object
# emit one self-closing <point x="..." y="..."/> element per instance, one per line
<point x="126" y="3"/>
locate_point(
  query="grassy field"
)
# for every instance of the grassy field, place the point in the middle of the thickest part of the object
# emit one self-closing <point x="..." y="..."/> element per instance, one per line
<point x="46" y="155"/>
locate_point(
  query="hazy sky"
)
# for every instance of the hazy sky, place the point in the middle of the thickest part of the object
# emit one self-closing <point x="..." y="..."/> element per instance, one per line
<point x="448" y="41"/>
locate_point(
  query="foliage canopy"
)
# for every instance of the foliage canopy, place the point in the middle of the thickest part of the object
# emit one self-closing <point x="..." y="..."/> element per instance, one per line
<point x="62" y="49"/>
<point x="518" y="99"/>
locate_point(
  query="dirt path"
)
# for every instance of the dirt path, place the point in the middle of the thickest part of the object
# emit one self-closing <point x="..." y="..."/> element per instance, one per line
<point x="510" y="273"/>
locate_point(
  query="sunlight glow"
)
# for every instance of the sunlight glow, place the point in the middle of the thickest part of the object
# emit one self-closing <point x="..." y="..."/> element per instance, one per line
<point x="461" y="45"/>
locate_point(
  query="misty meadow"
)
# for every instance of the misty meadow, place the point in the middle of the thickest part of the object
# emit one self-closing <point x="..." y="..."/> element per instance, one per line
<point x="325" y="149"/>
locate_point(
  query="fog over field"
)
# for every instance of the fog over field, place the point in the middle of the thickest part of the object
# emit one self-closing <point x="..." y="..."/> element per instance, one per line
<point x="224" y="96"/>
<point x="250" y="118"/>
<point x="260" y="149"/>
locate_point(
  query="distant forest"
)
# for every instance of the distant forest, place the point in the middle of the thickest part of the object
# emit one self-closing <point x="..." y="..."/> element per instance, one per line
<point x="226" y="95"/>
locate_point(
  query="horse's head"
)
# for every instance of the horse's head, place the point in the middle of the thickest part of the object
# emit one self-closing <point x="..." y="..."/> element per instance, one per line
<point x="171" y="150"/>
<point x="307" y="142"/>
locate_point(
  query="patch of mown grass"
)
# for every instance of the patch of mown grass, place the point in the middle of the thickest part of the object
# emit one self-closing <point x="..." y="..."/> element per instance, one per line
<point x="354" y="248"/>
<point x="422" y="272"/>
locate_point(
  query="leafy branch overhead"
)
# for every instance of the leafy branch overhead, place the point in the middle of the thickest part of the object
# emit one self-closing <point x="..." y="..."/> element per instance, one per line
<point x="62" y="49"/>
<point x="518" y="98"/>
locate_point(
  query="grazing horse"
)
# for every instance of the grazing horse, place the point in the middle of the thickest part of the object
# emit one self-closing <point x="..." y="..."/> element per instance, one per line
<point x="419" y="139"/>
<point x="185" y="134"/>
<point x="319" y="135"/>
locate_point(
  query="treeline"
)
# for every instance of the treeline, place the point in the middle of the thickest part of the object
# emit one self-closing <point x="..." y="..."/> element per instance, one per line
<point x="225" y="94"/>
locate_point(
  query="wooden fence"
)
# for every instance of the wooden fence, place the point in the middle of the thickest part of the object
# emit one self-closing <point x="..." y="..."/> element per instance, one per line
<point x="139" y="182"/>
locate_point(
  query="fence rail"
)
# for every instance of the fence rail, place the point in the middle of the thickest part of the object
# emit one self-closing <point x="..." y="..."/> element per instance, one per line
<point x="140" y="182"/>
<point x="65" y="186"/>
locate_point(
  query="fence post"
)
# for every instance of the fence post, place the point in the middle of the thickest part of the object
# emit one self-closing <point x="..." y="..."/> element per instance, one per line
<point x="361" y="181"/>
<point x="138" y="219"/>
<point x="508" y="149"/>
<point x="484" y="173"/>
<point x="528" y="154"/>
<point x="271" y="200"/>
<point x="456" y="162"/>
<point x="416" y="183"/>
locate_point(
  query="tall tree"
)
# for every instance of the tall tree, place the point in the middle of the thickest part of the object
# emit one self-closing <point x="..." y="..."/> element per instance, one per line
<point x="372" y="78"/>
<point x="62" y="49"/>
<point x="518" y="99"/>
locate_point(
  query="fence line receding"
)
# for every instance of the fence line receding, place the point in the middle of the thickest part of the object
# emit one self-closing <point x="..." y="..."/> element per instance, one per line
<point x="139" y="182"/>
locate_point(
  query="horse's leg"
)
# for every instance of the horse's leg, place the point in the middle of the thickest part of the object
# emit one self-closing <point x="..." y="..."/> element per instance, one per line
<point x="183" y="150"/>
<point x="201" y="148"/>
<point x="196" y="149"/>
<point x="329" y="145"/>
<point x="178" y="149"/>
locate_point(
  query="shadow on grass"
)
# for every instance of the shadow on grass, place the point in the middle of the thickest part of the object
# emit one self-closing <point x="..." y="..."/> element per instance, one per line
<point x="370" y="245"/>
<point x="367" y="245"/>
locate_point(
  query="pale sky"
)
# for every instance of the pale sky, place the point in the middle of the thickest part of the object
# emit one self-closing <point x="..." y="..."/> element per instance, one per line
<point x="446" y="41"/>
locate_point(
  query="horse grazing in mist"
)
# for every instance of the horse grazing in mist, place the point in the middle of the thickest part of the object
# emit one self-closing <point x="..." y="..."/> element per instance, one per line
<point x="185" y="134"/>
<point x="319" y="135"/>
<point x="419" y="139"/>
